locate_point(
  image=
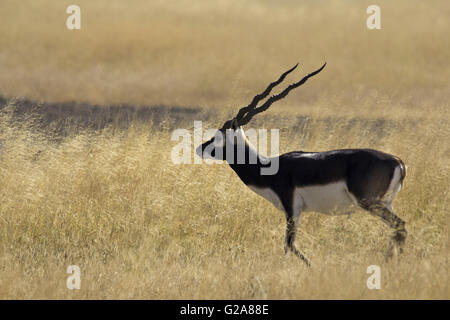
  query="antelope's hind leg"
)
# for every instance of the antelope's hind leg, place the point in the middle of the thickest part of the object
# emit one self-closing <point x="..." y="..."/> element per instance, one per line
<point x="386" y="213"/>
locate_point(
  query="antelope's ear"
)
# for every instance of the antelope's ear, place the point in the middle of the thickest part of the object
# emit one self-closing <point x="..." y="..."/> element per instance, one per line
<point x="227" y="125"/>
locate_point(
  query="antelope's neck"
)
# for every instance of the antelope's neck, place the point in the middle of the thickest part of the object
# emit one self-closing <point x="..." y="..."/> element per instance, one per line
<point x="249" y="171"/>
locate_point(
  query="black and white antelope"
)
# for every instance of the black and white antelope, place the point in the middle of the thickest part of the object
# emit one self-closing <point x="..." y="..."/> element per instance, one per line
<point x="330" y="182"/>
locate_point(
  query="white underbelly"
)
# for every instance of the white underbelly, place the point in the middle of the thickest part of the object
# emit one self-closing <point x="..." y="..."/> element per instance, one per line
<point x="332" y="198"/>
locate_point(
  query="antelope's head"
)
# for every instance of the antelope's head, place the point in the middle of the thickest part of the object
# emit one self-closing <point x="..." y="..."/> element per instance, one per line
<point x="231" y="133"/>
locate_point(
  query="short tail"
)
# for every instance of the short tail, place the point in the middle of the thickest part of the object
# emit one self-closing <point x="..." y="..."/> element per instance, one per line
<point x="402" y="169"/>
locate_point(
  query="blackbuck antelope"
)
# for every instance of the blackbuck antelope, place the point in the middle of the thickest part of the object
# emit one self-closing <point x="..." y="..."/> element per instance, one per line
<point x="330" y="182"/>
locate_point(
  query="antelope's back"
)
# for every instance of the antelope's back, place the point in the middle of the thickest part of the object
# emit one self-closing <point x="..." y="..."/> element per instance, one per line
<point x="359" y="168"/>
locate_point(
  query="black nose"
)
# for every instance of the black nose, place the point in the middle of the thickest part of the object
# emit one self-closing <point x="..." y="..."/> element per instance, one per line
<point x="199" y="151"/>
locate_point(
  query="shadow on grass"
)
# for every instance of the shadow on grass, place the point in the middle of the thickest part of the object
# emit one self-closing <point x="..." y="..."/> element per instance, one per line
<point x="62" y="119"/>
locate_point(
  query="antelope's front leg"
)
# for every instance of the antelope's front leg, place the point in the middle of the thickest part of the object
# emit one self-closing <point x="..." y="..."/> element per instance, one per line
<point x="291" y="233"/>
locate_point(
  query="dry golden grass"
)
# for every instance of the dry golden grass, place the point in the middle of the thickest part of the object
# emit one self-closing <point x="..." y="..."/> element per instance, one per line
<point x="139" y="226"/>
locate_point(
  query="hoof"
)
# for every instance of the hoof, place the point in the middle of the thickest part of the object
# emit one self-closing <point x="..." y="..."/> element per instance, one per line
<point x="396" y="244"/>
<point x="399" y="237"/>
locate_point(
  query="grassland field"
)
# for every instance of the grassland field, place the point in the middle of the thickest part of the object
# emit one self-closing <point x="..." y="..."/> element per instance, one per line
<point x="86" y="176"/>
